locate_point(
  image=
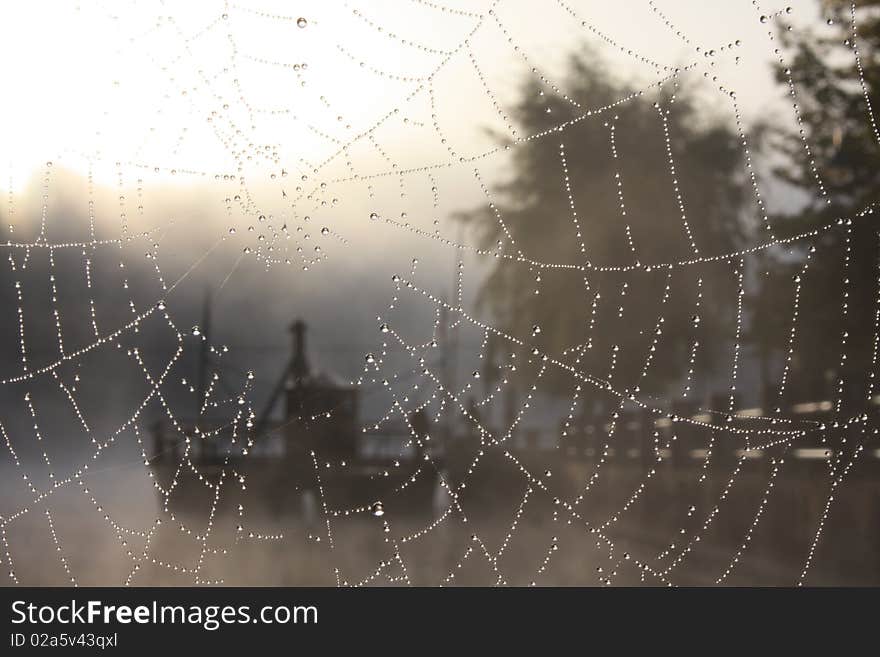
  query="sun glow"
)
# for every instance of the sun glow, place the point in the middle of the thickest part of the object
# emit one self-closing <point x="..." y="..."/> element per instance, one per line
<point x="193" y="91"/>
<point x="250" y="90"/>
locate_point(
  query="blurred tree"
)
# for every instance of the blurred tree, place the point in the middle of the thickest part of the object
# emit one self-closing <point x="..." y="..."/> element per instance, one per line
<point x="835" y="74"/>
<point x="608" y="192"/>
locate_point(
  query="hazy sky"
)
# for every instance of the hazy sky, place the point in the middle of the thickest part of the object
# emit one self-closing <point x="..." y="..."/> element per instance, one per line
<point x="170" y="85"/>
<point x="227" y="107"/>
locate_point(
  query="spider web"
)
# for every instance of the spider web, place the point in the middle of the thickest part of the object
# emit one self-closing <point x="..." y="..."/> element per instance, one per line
<point x="305" y="180"/>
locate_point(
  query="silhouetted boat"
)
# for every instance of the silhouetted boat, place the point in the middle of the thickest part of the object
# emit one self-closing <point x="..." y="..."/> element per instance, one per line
<point x="317" y="449"/>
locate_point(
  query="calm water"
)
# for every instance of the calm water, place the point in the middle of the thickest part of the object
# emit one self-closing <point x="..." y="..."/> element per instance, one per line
<point x="516" y="543"/>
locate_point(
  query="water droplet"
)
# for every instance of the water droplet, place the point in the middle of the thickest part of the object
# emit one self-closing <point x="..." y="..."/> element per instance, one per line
<point x="374" y="216"/>
<point x="196" y="330"/>
<point x="377" y="509"/>
<point x="370" y="358"/>
<point x="301" y="22"/>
